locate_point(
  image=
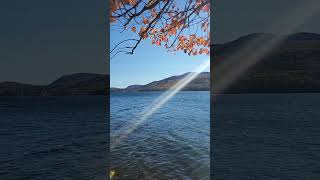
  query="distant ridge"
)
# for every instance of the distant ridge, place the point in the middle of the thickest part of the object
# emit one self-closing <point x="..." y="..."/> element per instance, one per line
<point x="293" y="66"/>
<point x="200" y="83"/>
<point x="74" y="84"/>
<point x="97" y="84"/>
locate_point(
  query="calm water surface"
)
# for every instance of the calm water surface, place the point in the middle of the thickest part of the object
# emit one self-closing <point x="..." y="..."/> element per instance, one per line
<point x="266" y="136"/>
<point x="172" y="144"/>
<point x="53" y="138"/>
<point x="254" y="136"/>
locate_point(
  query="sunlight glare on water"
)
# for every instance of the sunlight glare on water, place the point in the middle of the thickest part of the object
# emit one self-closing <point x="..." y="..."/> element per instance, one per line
<point x="159" y="102"/>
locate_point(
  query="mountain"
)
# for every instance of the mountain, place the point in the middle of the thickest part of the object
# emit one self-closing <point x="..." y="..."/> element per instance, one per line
<point x="291" y="65"/>
<point x="200" y="83"/>
<point x="96" y="84"/>
<point x="19" y="89"/>
<point x="74" y="84"/>
<point x="79" y="84"/>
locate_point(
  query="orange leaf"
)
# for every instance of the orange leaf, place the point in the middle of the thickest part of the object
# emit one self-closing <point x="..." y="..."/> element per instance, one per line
<point x="206" y="8"/>
<point x="134" y="29"/>
<point x="112" y="19"/>
<point x="145" y="21"/>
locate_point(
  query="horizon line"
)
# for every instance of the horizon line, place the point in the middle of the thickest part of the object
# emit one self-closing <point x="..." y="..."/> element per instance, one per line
<point x="155" y="80"/>
<point x="26" y="83"/>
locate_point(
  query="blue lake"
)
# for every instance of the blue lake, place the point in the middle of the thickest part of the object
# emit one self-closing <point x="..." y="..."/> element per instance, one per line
<point x="266" y="136"/>
<point x="254" y="136"/>
<point x="53" y="138"/>
<point x="173" y="143"/>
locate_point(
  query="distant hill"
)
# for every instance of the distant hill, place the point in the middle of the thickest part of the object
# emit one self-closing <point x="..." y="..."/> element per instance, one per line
<point x="200" y="83"/>
<point x="79" y="84"/>
<point x="19" y="89"/>
<point x="96" y="84"/>
<point x="293" y="66"/>
<point x="75" y="84"/>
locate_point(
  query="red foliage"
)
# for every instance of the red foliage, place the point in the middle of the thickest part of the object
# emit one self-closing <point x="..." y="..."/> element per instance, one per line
<point x="177" y="25"/>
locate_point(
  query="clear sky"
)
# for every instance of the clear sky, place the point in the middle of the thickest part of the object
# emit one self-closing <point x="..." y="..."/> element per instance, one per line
<point x="149" y="63"/>
<point x="43" y="40"/>
<point x="233" y="19"/>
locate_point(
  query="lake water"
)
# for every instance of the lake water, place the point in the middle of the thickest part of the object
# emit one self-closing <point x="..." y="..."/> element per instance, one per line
<point x="53" y="138"/>
<point x="254" y="136"/>
<point x="172" y="144"/>
<point x="266" y="136"/>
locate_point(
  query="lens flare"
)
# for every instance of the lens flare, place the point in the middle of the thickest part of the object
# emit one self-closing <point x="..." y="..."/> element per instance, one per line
<point x="237" y="63"/>
<point x="159" y="102"/>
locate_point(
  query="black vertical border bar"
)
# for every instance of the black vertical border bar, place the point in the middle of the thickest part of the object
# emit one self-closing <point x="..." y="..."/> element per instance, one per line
<point x="107" y="97"/>
<point x="212" y="96"/>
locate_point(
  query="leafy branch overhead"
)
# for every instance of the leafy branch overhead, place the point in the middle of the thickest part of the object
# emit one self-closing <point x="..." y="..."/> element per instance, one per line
<point x="177" y="25"/>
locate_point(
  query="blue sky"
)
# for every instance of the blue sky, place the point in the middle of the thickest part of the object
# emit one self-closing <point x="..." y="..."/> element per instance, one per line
<point x="44" y="40"/>
<point x="148" y="63"/>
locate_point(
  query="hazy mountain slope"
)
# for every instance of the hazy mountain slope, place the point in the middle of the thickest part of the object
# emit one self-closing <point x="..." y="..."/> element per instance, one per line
<point x="19" y="89"/>
<point x="292" y="66"/>
<point x="79" y="84"/>
<point x="75" y="84"/>
<point x="200" y="83"/>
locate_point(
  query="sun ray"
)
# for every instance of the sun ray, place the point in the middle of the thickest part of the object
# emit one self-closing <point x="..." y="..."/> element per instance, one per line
<point x="236" y="64"/>
<point x="159" y="102"/>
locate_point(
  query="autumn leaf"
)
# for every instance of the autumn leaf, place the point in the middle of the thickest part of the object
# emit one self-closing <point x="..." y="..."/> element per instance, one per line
<point x="206" y="8"/>
<point x="113" y="19"/>
<point x="134" y="29"/>
<point x="145" y="21"/>
<point x="165" y="23"/>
